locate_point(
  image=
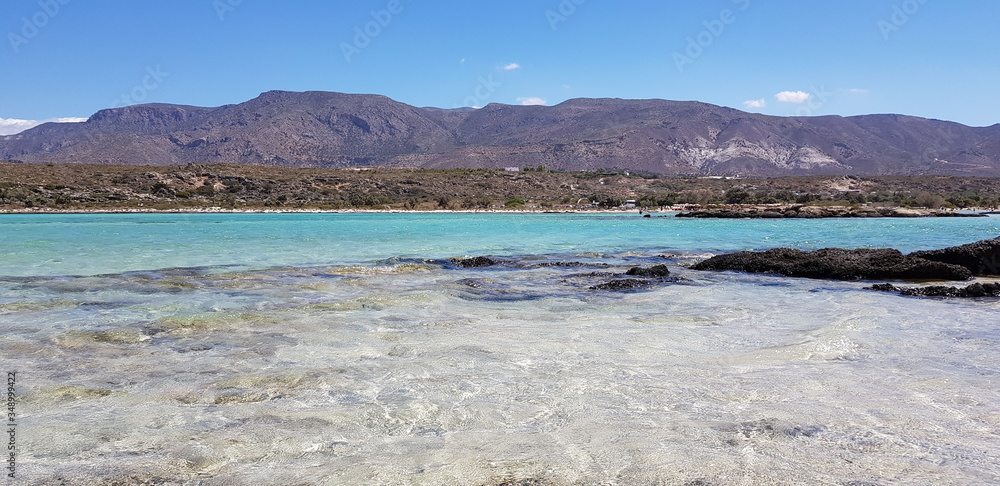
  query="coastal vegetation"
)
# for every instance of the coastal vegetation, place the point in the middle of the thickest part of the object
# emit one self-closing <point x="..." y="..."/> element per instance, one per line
<point x="68" y="187"/>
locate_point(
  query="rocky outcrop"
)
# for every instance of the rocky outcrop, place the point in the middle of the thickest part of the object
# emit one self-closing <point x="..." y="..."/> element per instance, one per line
<point x="476" y="262"/>
<point x="815" y="212"/>
<point x="971" y="291"/>
<point x="656" y="271"/>
<point x="649" y="276"/>
<point x="837" y="264"/>
<point x="981" y="257"/>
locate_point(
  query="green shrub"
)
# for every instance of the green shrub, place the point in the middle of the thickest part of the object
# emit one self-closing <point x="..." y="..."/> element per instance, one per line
<point x="205" y="190"/>
<point x="737" y="196"/>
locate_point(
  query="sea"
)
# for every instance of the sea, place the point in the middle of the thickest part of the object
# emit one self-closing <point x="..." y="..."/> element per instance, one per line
<point x="352" y="349"/>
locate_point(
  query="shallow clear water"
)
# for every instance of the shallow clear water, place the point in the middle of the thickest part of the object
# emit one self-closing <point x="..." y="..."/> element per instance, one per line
<point x="344" y="349"/>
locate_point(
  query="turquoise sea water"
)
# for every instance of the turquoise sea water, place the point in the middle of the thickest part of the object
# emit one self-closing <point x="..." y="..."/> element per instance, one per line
<point x="93" y="244"/>
<point x="346" y="349"/>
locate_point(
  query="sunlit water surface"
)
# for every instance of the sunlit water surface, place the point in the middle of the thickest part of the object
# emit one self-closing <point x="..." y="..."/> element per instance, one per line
<point x="346" y="349"/>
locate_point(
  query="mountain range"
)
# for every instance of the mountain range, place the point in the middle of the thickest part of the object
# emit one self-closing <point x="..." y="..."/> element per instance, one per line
<point x="326" y="129"/>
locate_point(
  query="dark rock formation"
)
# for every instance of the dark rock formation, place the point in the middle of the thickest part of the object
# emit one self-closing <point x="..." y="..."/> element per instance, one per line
<point x="981" y="257"/>
<point x="625" y="284"/>
<point x="573" y="264"/>
<point x="883" y="287"/>
<point x="971" y="291"/>
<point x="658" y="274"/>
<point x="815" y="212"/>
<point x="837" y="264"/>
<point x="476" y="262"/>
<point x="657" y="271"/>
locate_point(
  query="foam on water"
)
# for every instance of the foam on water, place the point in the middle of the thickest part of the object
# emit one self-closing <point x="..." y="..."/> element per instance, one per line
<point x="401" y="369"/>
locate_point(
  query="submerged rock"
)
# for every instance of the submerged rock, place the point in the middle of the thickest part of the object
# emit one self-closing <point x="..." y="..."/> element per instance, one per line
<point x="971" y="291"/>
<point x="657" y="271"/>
<point x="981" y="257"/>
<point x="837" y="264"/>
<point x="652" y="275"/>
<point x="573" y="264"/>
<point x="518" y="482"/>
<point x="624" y="284"/>
<point x="772" y="428"/>
<point x="885" y="287"/>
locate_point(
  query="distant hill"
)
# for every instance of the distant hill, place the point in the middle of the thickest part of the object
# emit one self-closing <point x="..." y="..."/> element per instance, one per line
<point x="323" y="129"/>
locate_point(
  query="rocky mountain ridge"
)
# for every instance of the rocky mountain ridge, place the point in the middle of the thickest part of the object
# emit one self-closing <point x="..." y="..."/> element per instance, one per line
<point x="325" y="129"/>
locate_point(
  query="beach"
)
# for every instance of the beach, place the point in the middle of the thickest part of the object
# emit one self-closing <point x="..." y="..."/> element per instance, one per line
<point x="353" y="349"/>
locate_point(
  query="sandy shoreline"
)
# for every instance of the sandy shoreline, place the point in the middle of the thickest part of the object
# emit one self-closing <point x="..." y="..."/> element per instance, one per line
<point x="672" y="211"/>
<point x="217" y="210"/>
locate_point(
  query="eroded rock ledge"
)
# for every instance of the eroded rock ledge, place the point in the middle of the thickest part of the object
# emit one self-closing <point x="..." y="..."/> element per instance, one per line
<point x="836" y="264"/>
<point x="969" y="291"/>
<point x="981" y="257"/>
<point x="955" y="263"/>
<point x="815" y="212"/>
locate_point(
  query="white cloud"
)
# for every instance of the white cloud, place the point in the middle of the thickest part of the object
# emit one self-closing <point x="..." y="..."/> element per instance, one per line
<point x="512" y="66"/>
<point x="797" y="97"/>
<point x="531" y="101"/>
<point x="859" y="91"/>
<point x="755" y="104"/>
<point x="9" y="126"/>
<point x="13" y="126"/>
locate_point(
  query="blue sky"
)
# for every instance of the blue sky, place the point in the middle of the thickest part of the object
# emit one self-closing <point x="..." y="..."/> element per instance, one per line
<point x="931" y="58"/>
